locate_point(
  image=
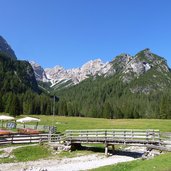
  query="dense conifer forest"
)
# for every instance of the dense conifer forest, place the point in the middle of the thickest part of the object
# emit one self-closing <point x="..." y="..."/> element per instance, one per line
<point x="106" y="97"/>
<point x="19" y="91"/>
<point x="110" y="98"/>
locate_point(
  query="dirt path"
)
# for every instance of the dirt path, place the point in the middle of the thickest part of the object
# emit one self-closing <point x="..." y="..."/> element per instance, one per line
<point x="73" y="164"/>
<point x="68" y="164"/>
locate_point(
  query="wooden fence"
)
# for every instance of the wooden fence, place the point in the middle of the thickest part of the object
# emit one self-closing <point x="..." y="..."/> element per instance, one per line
<point x="30" y="138"/>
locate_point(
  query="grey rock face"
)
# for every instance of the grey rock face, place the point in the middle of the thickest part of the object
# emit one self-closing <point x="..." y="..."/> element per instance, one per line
<point x="128" y="68"/>
<point x="59" y="75"/>
<point x="134" y="69"/>
<point x="121" y="61"/>
<point x="142" y="63"/>
<point x="6" y="49"/>
<point x="39" y="72"/>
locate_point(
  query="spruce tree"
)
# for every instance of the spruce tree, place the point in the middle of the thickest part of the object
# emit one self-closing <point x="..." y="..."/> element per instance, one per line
<point x="15" y="106"/>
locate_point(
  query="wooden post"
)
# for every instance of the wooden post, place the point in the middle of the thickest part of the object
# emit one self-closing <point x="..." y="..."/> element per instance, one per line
<point x="113" y="135"/>
<point x="124" y="137"/>
<point x="12" y="136"/>
<point x="105" y="136"/>
<point x="49" y="137"/>
<point x="40" y="141"/>
<point x="113" y="149"/>
<point x="153" y="135"/>
<point x="147" y="135"/>
<point x="132" y="134"/>
<point x="159" y="138"/>
<point x="106" y="150"/>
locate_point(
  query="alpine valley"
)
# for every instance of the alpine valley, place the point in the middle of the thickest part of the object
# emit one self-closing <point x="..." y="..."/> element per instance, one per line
<point x="126" y="87"/>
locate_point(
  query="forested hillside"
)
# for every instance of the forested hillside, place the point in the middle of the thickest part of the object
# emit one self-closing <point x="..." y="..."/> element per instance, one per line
<point x="19" y="92"/>
<point x="139" y="88"/>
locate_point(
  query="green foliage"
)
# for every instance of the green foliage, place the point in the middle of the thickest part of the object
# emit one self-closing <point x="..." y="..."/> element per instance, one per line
<point x="19" y="92"/>
<point x="16" y="76"/>
<point x="1" y="152"/>
<point x="15" y="106"/>
<point x="145" y="96"/>
<point x="44" y="86"/>
<point x="111" y="98"/>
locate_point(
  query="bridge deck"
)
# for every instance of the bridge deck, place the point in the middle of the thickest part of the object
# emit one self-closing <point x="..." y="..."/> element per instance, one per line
<point x="114" y="136"/>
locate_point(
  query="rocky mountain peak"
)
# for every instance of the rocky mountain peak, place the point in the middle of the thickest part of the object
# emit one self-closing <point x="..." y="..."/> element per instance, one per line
<point x="143" y="62"/>
<point x="94" y="67"/>
<point x="120" y="62"/>
<point x="6" y="49"/>
<point x="59" y="75"/>
<point x="127" y="66"/>
<point x="39" y="72"/>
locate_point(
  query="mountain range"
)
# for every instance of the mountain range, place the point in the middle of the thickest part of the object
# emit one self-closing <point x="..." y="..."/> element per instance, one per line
<point x="128" y="86"/>
<point x="127" y="66"/>
<point x="58" y="76"/>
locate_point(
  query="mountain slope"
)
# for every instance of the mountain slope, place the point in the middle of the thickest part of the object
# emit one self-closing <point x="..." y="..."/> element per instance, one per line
<point x="19" y="91"/>
<point x="6" y="49"/>
<point x="128" y="67"/>
<point x="139" y="87"/>
<point x="16" y="76"/>
<point x="39" y="72"/>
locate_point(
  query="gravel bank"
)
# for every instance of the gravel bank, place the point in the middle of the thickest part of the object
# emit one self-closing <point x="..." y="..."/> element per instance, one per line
<point x="68" y="164"/>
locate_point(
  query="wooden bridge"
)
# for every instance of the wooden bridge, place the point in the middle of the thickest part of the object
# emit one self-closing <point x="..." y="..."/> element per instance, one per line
<point x="110" y="137"/>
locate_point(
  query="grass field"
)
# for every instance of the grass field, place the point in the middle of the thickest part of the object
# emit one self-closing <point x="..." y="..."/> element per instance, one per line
<point x="64" y="123"/>
<point x="159" y="163"/>
<point x="27" y="153"/>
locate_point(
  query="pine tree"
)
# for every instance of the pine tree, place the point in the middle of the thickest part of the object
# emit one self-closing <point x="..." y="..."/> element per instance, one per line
<point x="107" y="111"/>
<point x="15" y="106"/>
<point x="1" y="103"/>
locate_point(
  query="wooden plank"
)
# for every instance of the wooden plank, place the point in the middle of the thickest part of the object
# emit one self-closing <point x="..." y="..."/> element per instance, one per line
<point x="25" y="138"/>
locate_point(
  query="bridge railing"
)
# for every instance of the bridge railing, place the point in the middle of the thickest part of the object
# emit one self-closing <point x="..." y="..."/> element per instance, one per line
<point x="113" y="135"/>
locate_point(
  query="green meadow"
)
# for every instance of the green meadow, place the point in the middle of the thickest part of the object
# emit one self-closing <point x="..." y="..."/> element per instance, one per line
<point x="64" y="123"/>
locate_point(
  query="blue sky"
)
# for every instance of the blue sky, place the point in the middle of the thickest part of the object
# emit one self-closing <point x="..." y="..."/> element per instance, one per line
<point x="72" y="32"/>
